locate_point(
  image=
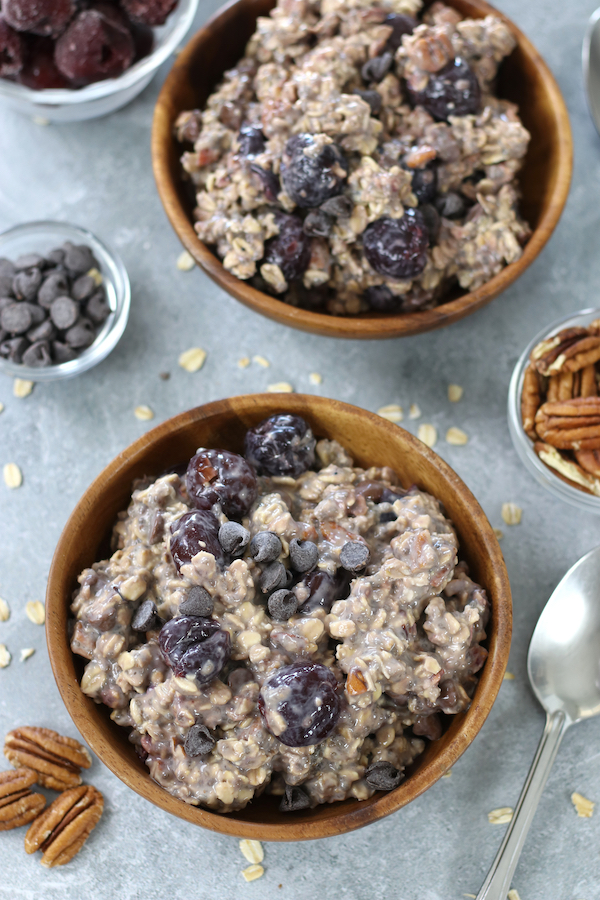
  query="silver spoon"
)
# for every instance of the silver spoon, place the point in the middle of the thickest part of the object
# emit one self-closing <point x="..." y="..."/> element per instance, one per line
<point x="590" y="58"/>
<point x="564" y="670"/>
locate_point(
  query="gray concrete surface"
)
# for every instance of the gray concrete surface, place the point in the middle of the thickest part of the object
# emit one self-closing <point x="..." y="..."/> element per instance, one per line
<point x="98" y="174"/>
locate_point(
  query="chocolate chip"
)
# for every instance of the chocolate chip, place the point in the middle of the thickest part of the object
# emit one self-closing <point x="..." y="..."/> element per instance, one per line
<point x="317" y="224"/>
<point x="97" y="309"/>
<point x="158" y="527"/>
<point x="432" y="220"/>
<point x="79" y="258"/>
<point x="55" y="285"/>
<point x="4" y="301"/>
<point x="273" y="577"/>
<point x="83" y="287"/>
<point x="294" y="799"/>
<point x="282" y="605"/>
<point x="373" y="98"/>
<point x="81" y="335"/>
<point x="14" y="348"/>
<point x="62" y="353"/>
<point x="64" y="312"/>
<point x="383" y="776"/>
<point x="38" y="355"/>
<point x="7" y="268"/>
<point x="6" y="285"/>
<point x="265" y="547"/>
<point x="26" y="284"/>
<point x="340" y="206"/>
<point x="37" y="313"/>
<point x="43" y="332"/>
<point x="354" y="556"/>
<point x="234" y="538"/>
<point x="56" y="256"/>
<point x="146" y="617"/>
<point x="30" y="261"/>
<point x="303" y="555"/>
<point x="198" y="741"/>
<point x="16" y="318"/>
<point x="377" y="68"/>
<point x="198" y="602"/>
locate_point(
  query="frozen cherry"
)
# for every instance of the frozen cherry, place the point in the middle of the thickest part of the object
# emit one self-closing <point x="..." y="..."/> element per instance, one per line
<point x="312" y="173"/>
<point x="192" y="645"/>
<point x="397" y="248"/>
<point x="453" y="91"/>
<point x="281" y="445"/>
<point x="305" y="696"/>
<point x="192" y="532"/>
<point x="290" y="250"/>
<point x="93" y="47"/>
<point x="401" y="25"/>
<point x="40" y="73"/>
<point x="380" y="298"/>
<point x="251" y="140"/>
<point x="424" y="183"/>
<point x="45" y="17"/>
<point x="12" y="50"/>
<point x="269" y="181"/>
<point x="220" y="476"/>
<point x="324" y="589"/>
<point x="143" y="40"/>
<point x="148" y="12"/>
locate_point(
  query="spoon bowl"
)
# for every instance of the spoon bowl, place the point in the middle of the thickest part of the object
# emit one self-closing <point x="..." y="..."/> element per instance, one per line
<point x="590" y="57"/>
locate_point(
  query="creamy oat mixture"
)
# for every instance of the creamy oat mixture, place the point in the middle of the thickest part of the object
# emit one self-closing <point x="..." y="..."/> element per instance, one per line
<point x="357" y="157"/>
<point x="326" y="622"/>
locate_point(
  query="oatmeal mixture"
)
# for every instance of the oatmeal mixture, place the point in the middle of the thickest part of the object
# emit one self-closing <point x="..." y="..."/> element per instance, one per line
<point x="284" y="621"/>
<point x="357" y="157"/>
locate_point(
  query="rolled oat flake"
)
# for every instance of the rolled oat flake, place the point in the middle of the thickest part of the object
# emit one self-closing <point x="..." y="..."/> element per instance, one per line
<point x="197" y="603"/>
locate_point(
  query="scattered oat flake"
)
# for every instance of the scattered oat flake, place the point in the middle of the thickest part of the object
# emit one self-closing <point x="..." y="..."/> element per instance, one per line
<point x="500" y="816"/>
<point x="508" y="676"/>
<point x="447" y="774"/>
<point x="513" y="895"/>
<point x="583" y="806"/>
<point x="280" y="387"/>
<point x="499" y="533"/>
<point x="427" y="434"/>
<point x="144" y="413"/>
<point x="253" y="872"/>
<point x="456" y="436"/>
<point x="40" y="120"/>
<point x="22" y="388"/>
<point x="261" y="361"/>
<point x="36" y="612"/>
<point x="414" y="411"/>
<point x="244" y="362"/>
<point x="5" y="656"/>
<point x="193" y="359"/>
<point x="13" y="477"/>
<point x="252" y="851"/>
<point x="26" y="653"/>
<point x="511" y="513"/>
<point x="185" y="262"/>
<point x="392" y="412"/>
<point x="470" y="895"/>
<point x="1" y="407"/>
<point x="96" y="277"/>
<point x="455" y="392"/>
<point x="4" y="610"/>
<point x="315" y="378"/>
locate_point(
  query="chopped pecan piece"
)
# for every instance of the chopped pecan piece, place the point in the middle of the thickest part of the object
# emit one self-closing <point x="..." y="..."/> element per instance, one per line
<point x="62" y="830"/>
<point x="57" y="759"/>
<point x="566" y="469"/>
<point x="570" y="425"/>
<point x="355" y="683"/>
<point x="18" y="805"/>
<point x="531" y="399"/>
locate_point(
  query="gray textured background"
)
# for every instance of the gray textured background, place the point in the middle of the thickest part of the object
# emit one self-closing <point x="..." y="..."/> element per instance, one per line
<point x="98" y="174"/>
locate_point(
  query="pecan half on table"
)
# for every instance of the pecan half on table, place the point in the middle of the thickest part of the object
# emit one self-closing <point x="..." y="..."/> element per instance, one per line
<point x="62" y="830"/>
<point x="57" y="760"/>
<point x="571" y="424"/>
<point x="18" y="805"/>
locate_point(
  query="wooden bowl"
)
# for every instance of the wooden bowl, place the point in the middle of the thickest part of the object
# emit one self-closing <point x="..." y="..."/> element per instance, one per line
<point x="371" y="440"/>
<point x="524" y="78"/>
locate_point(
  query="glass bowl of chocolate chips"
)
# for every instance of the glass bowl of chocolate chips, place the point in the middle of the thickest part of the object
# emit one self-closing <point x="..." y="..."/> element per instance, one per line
<point x="65" y="61"/>
<point x="64" y="301"/>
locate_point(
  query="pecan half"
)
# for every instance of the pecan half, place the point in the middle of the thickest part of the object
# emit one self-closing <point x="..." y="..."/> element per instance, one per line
<point x="570" y="354"/>
<point x="57" y="759"/>
<point x="587" y="386"/>
<point x="531" y="399"/>
<point x="18" y="805"/>
<point x="566" y="469"/>
<point x="589" y="460"/>
<point x="570" y="425"/>
<point x="546" y="352"/>
<point x="62" y="830"/>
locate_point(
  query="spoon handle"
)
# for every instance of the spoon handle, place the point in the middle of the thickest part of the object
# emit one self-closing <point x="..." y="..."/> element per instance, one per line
<point x="497" y="883"/>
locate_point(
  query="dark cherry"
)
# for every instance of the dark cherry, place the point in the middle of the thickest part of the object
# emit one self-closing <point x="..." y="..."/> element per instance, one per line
<point x="192" y="645"/>
<point x="310" y="177"/>
<point x="93" y="47"/>
<point x="453" y="91"/>
<point x="148" y="12"/>
<point x="380" y="298"/>
<point x="424" y="183"/>
<point x="281" y="445"/>
<point x="306" y="696"/>
<point x="401" y="25"/>
<point x="290" y="250"/>
<point x="12" y="51"/>
<point x="223" y="477"/>
<point x="45" y="17"/>
<point x="428" y="726"/>
<point x="251" y="140"/>
<point x="143" y="40"/>
<point x="432" y="221"/>
<point x="192" y="532"/>
<point x="397" y="248"/>
<point x="324" y="590"/>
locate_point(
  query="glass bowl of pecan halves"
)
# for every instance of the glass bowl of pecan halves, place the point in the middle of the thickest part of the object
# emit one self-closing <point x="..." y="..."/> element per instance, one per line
<point x="554" y="408"/>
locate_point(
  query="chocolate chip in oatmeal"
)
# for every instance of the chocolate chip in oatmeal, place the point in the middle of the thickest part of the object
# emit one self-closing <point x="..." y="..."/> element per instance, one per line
<point x="373" y="98"/>
<point x="251" y="140"/>
<point x="354" y="556"/>
<point x="282" y="605"/>
<point x="313" y="169"/>
<point x="401" y="24"/>
<point x="303" y="555"/>
<point x="234" y="538"/>
<point x="273" y="577"/>
<point x="198" y="741"/>
<point x="294" y="799"/>
<point x="198" y="602"/>
<point x="146" y="617"/>
<point x="377" y="68"/>
<point x="265" y="547"/>
<point x="317" y="224"/>
<point x="383" y="776"/>
<point x="340" y="206"/>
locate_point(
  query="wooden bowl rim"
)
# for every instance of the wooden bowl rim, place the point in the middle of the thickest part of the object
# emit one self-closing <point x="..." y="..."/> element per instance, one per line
<point x="373" y="325"/>
<point x="357" y="815"/>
